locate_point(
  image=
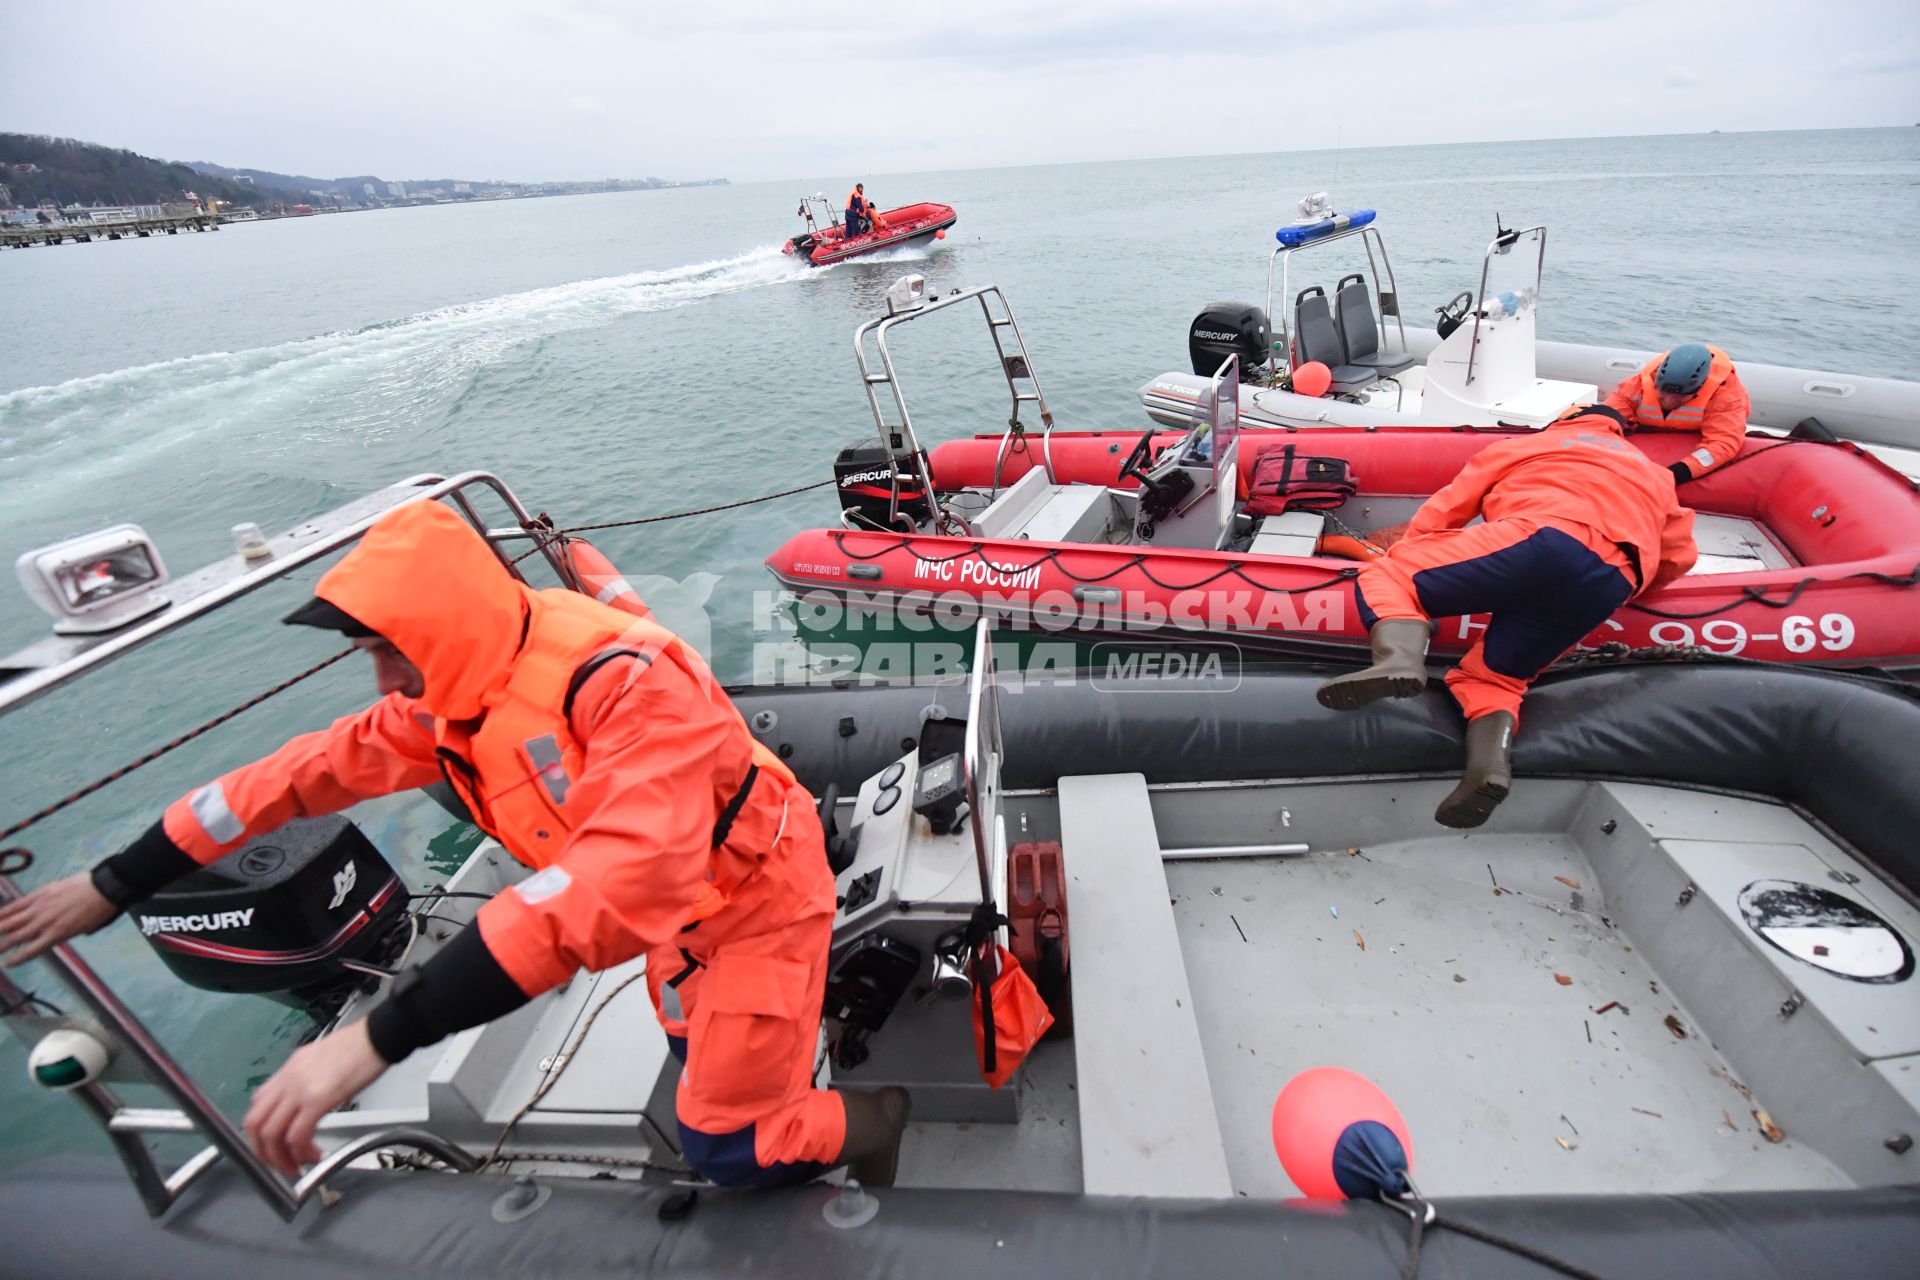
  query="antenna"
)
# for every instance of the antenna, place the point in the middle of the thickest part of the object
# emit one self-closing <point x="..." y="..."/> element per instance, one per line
<point x="1338" y="134"/>
<point x="993" y="273"/>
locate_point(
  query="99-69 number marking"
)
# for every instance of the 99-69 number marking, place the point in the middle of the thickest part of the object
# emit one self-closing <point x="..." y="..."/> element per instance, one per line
<point x="1798" y="634"/>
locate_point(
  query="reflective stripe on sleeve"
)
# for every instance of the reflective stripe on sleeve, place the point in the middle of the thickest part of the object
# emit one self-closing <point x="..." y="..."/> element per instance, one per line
<point x="210" y="810"/>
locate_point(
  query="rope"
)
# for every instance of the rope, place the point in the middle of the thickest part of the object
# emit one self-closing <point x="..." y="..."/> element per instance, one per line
<point x="1138" y="561"/>
<point x="1528" y="1252"/>
<point x="701" y="511"/>
<point x="177" y="743"/>
<point x="541" y="544"/>
<point x="1615" y="653"/>
<point x="1759" y="596"/>
<point x="560" y="1068"/>
<point x="1424" y="1213"/>
<point x="419" y="1160"/>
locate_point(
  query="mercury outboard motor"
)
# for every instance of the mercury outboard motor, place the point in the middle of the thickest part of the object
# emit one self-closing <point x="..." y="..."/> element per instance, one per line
<point x="286" y="917"/>
<point x="865" y="474"/>
<point x="1229" y="329"/>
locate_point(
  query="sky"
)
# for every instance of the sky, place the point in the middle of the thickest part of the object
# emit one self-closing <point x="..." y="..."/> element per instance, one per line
<point x="751" y="90"/>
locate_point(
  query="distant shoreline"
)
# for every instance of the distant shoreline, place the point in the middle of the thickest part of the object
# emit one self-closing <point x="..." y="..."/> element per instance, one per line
<point x="312" y="211"/>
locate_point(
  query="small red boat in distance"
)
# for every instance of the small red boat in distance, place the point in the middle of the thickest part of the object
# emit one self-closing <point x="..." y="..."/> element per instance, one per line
<point x="825" y="240"/>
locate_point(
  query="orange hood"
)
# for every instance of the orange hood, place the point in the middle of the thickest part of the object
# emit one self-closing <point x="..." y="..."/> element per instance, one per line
<point x="424" y="580"/>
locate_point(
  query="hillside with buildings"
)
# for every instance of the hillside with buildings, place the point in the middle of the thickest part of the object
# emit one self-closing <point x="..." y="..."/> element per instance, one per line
<point x="368" y="190"/>
<point x="43" y="177"/>
<point x="38" y="171"/>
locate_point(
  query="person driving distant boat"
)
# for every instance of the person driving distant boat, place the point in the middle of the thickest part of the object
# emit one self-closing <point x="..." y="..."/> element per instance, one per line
<point x="1693" y="387"/>
<point x="862" y="217"/>
<point x="599" y="750"/>
<point x="1576" y="523"/>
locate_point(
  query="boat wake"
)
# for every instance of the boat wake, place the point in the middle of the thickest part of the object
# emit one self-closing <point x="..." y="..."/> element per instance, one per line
<point x="369" y="381"/>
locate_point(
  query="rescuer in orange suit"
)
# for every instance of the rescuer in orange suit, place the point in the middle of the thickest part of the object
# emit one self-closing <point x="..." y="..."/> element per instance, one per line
<point x="1691" y="388"/>
<point x="861" y="215"/>
<point x="1576" y="523"/>
<point x="599" y="750"/>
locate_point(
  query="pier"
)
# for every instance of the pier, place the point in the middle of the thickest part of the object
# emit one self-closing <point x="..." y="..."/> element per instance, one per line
<point x="172" y="224"/>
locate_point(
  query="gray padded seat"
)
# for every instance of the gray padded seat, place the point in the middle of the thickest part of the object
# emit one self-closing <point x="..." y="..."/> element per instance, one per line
<point x="1317" y="338"/>
<point x="1354" y="315"/>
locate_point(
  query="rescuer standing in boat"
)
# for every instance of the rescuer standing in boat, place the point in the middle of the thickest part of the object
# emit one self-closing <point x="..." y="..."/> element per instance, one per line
<point x="599" y="750"/>
<point x="861" y="215"/>
<point x="1691" y="388"/>
<point x="1576" y="522"/>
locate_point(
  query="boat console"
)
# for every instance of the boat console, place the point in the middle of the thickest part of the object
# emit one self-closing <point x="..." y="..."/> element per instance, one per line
<point x="925" y="846"/>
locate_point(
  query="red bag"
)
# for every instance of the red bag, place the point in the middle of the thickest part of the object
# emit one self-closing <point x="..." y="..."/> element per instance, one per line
<point x="1283" y="481"/>
<point x="1020" y="1018"/>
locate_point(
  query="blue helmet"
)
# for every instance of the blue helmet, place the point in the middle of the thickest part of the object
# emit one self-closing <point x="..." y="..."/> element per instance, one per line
<point x="1684" y="371"/>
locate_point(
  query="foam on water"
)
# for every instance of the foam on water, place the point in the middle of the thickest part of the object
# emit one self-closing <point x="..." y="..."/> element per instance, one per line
<point x="367" y="381"/>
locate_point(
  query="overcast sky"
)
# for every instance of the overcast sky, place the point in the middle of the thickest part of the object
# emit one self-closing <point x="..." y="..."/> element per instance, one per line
<point x="529" y="89"/>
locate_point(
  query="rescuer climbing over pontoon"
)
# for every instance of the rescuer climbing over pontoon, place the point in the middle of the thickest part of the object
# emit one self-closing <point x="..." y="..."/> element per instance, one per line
<point x="1576" y="522"/>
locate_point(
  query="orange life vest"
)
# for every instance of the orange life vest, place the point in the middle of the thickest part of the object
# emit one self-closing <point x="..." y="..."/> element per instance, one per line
<point x="515" y="771"/>
<point x="1688" y="416"/>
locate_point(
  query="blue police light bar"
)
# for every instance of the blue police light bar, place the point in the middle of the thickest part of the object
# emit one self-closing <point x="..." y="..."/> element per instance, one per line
<point x="1305" y="233"/>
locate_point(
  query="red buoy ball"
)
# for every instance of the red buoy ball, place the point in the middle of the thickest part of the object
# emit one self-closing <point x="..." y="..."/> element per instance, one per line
<point x="1312" y="379"/>
<point x="1338" y="1136"/>
<point x="939" y="235"/>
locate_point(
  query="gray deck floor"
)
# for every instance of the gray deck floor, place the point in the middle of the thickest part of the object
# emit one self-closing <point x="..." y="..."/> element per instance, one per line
<point x="1040" y="1153"/>
<point x="1454" y="1009"/>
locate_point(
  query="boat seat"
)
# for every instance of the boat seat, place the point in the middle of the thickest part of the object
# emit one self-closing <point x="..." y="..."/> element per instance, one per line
<point x="1016" y="505"/>
<point x="1032" y="509"/>
<point x="1147" y="1121"/>
<point x="1316" y="337"/>
<point x="1353" y="312"/>
<point x="1291" y="533"/>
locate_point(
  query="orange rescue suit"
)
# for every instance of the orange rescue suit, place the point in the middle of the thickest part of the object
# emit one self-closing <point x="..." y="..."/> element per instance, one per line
<point x="1578" y="477"/>
<point x="599" y="750"/>
<point x="1718" y="410"/>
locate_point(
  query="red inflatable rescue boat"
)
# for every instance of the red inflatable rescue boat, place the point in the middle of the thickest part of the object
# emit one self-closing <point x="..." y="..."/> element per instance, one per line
<point x="1809" y="552"/>
<point x="825" y="242"/>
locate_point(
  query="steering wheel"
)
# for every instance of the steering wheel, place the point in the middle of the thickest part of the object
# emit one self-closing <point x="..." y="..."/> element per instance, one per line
<point x="1454" y="314"/>
<point x="1135" y="465"/>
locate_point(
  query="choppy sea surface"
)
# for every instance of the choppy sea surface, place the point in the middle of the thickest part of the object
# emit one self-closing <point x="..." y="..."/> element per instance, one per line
<point x="625" y="355"/>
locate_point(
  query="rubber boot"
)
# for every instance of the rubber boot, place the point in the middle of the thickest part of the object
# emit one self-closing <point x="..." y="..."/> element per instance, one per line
<point x="875" y="1123"/>
<point x="1399" y="667"/>
<point x="1488" y="776"/>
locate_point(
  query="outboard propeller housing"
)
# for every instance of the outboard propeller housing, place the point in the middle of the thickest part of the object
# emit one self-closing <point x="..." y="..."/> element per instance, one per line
<point x="286" y="917"/>
<point x="1225" y="329"/>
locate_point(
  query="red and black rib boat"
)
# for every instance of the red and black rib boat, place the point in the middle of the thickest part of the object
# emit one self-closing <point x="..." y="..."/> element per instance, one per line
<point x="825" y="240"/>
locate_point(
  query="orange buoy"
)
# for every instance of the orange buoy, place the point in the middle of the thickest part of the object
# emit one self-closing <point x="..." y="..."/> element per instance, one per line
<point x="599" y="579"/>
<point x="1312" y="379"/>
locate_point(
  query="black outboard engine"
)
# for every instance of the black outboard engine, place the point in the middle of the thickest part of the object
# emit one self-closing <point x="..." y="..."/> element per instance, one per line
<point x="1229" y="329"/>
<point x="866" y="473"/>
<point x="279" y="917"/>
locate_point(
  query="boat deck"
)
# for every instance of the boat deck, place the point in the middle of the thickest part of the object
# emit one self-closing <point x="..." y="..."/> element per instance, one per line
<point x="1567" y="1001"/>
<point x="1466" y="974"/>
